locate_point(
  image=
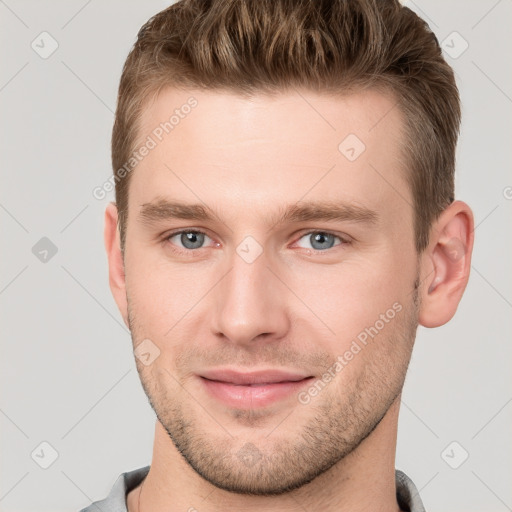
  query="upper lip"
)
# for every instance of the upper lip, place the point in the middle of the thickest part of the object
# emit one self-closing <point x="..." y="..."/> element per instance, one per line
<point x="255" y="377"/>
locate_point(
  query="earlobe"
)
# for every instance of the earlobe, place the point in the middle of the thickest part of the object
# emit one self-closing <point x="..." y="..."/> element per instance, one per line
<point x="115" y="260"/>
<point x="446" y="263"/>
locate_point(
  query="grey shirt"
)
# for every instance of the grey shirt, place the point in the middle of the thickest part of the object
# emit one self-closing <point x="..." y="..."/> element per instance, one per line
<point x="406" y="493"/>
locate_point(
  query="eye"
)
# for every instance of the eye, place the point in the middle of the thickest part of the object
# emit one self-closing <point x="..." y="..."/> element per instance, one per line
<point x="187" y="240"/>
<point x="321" y="240"/>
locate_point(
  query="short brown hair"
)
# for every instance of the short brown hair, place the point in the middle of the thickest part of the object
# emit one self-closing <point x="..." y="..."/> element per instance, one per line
<point x="333" y="46"/>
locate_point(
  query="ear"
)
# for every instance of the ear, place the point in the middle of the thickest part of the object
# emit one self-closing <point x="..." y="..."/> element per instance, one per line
<point x="115" y="261"/>
<point x="446" y="262"/>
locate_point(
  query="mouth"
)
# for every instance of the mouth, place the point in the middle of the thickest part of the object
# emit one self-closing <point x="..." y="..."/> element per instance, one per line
<point x="251" y="390"/>
<point x="269" y="376"/>
<point x="255" y="385"/>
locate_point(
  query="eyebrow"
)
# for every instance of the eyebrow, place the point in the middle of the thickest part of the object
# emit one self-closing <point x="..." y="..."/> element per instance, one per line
<point x="164" y="209"/>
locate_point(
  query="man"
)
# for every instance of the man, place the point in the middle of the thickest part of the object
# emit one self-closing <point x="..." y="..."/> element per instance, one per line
<point x="284" y="220"/>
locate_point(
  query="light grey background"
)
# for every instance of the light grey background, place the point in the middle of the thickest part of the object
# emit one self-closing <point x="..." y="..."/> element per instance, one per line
<point x="68" y="376"/>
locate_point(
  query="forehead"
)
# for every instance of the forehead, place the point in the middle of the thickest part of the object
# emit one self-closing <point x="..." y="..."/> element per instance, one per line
<point x="369" y="114"/>
<point x="216" y="145"/>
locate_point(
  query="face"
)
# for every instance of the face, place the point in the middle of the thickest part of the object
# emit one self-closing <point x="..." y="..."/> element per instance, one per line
<point x="299" y="258"/>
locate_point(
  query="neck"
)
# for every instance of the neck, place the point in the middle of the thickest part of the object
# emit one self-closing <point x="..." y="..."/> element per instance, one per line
<point x="363" y="480"/>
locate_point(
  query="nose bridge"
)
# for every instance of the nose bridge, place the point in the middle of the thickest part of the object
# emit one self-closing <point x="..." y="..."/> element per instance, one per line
<point x="249" y="300"/>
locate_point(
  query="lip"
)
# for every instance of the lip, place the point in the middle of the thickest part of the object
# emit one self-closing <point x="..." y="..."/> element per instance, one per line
<point x="254" y="389"/>
<point x="270" y="376"/>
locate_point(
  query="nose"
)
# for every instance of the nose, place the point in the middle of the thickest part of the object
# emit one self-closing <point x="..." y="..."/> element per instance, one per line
<point x="251" y="302"/>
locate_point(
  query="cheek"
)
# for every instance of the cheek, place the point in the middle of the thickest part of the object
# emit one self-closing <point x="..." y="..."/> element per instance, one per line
<point x="352" y="295"/>
<point x="164" y="296"/>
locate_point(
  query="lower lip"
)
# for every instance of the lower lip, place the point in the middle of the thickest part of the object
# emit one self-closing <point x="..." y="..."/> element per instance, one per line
<point x="249" y="397"/>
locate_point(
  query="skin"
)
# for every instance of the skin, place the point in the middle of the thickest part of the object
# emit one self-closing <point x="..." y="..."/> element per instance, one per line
<point x="290" y="308"/>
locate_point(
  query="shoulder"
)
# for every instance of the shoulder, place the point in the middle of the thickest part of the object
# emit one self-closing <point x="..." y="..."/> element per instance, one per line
<point x="116" y="499"/>
<point x="407" y="495"/>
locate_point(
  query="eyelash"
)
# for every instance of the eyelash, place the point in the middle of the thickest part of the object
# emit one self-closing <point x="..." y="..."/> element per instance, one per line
<point x="188" y="252"/>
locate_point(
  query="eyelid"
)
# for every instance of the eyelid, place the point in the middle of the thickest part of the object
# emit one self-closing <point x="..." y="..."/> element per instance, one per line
<point x="342" y="236"/>
<point x="168" y="236"/>
<point x="344" y="240"/>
